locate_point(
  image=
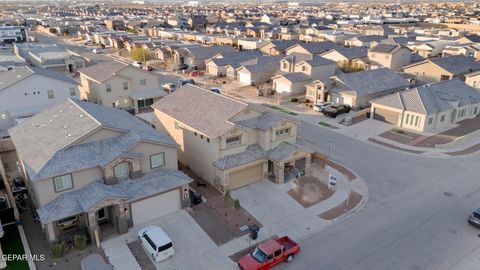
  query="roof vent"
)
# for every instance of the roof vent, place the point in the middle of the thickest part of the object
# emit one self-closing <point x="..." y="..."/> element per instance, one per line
<point x="68" y="135"/>
<point x="65" y="126"/>
<point x="18" y="76"/>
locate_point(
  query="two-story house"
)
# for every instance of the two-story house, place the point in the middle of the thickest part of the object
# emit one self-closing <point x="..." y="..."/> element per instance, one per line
<point x="230" y="143"/>
<point x="391" y="56"/>
<point x="120" y="85"/>
<point x="90" y="168"/>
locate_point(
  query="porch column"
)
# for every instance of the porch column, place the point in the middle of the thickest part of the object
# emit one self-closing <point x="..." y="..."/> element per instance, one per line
<point x="135" y="106"/>
<point x="123" y="217"/>
<point x="265" y="169"/>
<point x="93" y="226"/>
<point x="279" y="173"/>
<point x="308" y="162"/>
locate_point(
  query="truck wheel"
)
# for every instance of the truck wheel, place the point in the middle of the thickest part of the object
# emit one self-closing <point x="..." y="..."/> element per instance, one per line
<point x="290" y="258"/>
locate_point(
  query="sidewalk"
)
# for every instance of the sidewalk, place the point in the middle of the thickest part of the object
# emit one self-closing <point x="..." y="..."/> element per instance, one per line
<point x="280" y="214"/>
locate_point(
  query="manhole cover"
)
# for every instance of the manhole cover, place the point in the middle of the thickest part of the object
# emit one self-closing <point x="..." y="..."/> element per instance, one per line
<point x="448" y="194"/>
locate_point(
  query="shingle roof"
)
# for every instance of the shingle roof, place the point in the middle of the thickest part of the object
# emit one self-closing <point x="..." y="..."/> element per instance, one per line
<point x="285" y="150"/>
<point x="79" y="201"/>
<point x="254" y="152"/>
<point x="317" y="47"/>
<point x="384" y="48"/>
<point x="319" y="61"/>
<point x="296" y="76"/>
<point x="432" y="98"/>
<point x="10" y="77"/>
<point x="44" y="141"/>
<point x="351" y="53"/>
<point x="201" y="109"/>
<point x="369" y="82"/>
<point x="265" y="121"/>
<point x="208" y="52"/>
<point x="103" y="71"/>
<point x="457" y="64"/>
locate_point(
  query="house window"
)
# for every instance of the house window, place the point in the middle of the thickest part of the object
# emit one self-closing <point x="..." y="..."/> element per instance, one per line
<point x="430" y="120"/>
<point x="50" y="94"/>
<point x="284" y="65"/>
<point x="304" y="68"/>
<point x="411" y="120"/>
<point x="143" y="82"/>
<point x="63" y="182"/>
<point x="416" y="121"/>
<point x="406" y="119"/>
<point x="475" y="110"/>
<point x="442" y="118"/>
<point x="234" y="140"/>
<point x="108" y="87"/>
<point x="73" y="91"/>
<point x="282" y="132"/>
<point x="125" y="85"/>
<point x="157" y="160"/>
<point x="121" y="169"/>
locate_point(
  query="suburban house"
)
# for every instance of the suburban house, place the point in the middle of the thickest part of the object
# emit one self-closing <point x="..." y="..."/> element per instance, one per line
<point x="392" y="56"/>
<point x="342" y="55"/>
<point x="429" y="107"/>
<point x="90" y="168"/>
<point x="358" y="88"/>
<point x="473" y="79"/>
<point x="290" y="84"/>
<point x="363" y="41"/>
<point x="120" y="85"/>
<point x="217" y="65"/>
<point x="259" y="72"/>
<point x="429" y="49"/>
<point x="311" y="49"/>
<point x="25" y="91"/>
<point x="229" y="143"/>
<point x="277" y="47"/>
<point x="195" y="56"/>
<point x="442" y="68"/>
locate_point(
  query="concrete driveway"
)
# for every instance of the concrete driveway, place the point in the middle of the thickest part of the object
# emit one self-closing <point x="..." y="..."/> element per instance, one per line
<point x="192" y="246"/>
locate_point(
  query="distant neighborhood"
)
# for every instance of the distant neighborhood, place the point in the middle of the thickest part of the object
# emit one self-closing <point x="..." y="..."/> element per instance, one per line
<point x="142" y="128"/>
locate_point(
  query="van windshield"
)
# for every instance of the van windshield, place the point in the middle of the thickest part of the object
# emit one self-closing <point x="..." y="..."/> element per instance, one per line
<point x="165" y="247"/>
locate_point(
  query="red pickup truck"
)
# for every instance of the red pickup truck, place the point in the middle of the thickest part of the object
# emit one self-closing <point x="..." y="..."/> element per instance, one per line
<point x="269" y="254"/>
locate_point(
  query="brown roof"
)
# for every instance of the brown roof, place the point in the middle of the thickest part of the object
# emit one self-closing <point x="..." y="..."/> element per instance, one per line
<point x="201" y="109"/>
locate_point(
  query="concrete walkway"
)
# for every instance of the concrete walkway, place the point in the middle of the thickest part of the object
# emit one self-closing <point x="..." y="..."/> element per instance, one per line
<point x="280" y="214"/>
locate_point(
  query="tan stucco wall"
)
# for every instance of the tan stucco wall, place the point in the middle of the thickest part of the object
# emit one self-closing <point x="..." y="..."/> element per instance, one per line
<point x="427" y="72"/>
<point x="148" y="149"/>
<point x="473" y="81"/>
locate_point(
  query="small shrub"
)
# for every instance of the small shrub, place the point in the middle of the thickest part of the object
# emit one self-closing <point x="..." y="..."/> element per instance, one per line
<point x="58" y="250"/>
<point x="226" y="197"/>
<point x="307" y="101"/>
<point x="236" y="204"/>
<point x="79" y="241"/>
<point x="294" y="99"/>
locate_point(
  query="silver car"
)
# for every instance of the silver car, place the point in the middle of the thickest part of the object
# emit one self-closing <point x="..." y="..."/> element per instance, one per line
<point x="474" y="218"/>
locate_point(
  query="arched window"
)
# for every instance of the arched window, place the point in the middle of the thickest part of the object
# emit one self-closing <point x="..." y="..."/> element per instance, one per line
<point x="122" y="169"/>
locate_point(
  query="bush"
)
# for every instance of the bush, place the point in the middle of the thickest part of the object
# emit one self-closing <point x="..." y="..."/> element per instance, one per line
<point x="307" y="101"/>
<point x="294" y="99"/>
<point x="79" y="241"/>
<point x="58" y="250"/>
<point x="226" y="197"/>
<point x="139" y="54"/>
<point x="236" y="204"/>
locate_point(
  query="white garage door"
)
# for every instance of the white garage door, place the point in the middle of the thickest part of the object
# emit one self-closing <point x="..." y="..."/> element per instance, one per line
<point x="157" y="206"/>
<point x="244" y="78"/>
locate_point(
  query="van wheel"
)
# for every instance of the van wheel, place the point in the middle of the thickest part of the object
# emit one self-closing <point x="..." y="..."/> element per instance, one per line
<point x="290" y="258"/>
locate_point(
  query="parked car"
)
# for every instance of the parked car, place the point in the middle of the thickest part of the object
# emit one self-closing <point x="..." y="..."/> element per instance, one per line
<point x="96" y="51"/>
<point x="265" y="92"/>
<point x="195" y="197"/>
<point x="269" y="254"/>
<point x="319" y="107"/>
<point x="181" y="83"/>
<point x="334" y="110"/>
<point x="156" y="242"/>
<point x="137" y="64"/>
<point x="169" y="87"/>
<point x="215" y="90"/>
<point x="148" y="68"/>
<point x="474" y="218"/>
<point x="196" y="73"/>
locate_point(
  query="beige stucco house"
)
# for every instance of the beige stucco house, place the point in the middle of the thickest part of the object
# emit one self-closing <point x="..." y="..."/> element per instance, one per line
<point x="229" y="143"/>
<point x="428" y="108"/>
<point x="96" y="170"/>
<point x="473" y="79"/>
<point x="392" y="56"/>
<point x="119" y="85"/>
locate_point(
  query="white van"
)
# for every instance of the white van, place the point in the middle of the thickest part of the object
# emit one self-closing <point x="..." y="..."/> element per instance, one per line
<point x="156" y="242"/>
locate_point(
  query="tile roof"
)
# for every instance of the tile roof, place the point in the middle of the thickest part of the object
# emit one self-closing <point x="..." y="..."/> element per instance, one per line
<point x="285" y="150"/>
<point x="368" y="82"/>
<point x="201" y="109"/>
<point x="457" y="64"/>
<point x="10" y="77"/>
<point x="317" y="47"/>
<point x="296" y="76"/>
<point x="80" y="201"/>
<point x="264" y="122"/>
<point x="103" y="71"/>
<point x="432" y="98"/>
<point x="203" y="52"/>
<point x="64" y="124"/>
<point x="351" y="53"/>
<point x="253" y="153"/>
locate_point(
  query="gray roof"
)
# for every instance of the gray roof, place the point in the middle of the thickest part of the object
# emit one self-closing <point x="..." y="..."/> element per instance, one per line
<point x="10" y="77"/>
<point x="253" y="153"/>
<point x="265" y="121"/>
<point x="351" y="53"/>
<point x="317" y="47"/>
<point x="384" y="48"/>
<point x="235" y="57"/>
<point x="319" y="61"/>
<point x="457" y="64"/>
<point x="208" y="52"/>
<point x="369" y="38"/>
<point x="46" y="141"/>
<point x="285" y="150"/>
<point x="296" y="77"/>
<point x="201" y="109"/>
<point x="432" y="98"/>
<point x="369" y="82"/>
<point x="103" y="71"/>
<point x="80" y="201"/>
<point x="270" y="63"/>
<point x="281" y="45"/>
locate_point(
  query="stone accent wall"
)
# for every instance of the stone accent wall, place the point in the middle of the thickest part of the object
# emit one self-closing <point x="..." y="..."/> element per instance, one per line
<point x="92" y="217"/>
<point x="109" y="173"/>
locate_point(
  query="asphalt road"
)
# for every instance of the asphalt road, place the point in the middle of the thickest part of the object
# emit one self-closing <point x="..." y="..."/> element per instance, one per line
<point x="415" y="217"/>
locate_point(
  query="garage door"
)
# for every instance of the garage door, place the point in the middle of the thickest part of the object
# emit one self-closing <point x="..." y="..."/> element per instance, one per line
<point x="386" y="116"/>
<point x="244" y="78"/>
<point x="157" y="206"/>
<point x="246" y="176"/>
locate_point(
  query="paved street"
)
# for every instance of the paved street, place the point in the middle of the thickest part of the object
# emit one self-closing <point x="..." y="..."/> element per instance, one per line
<point x="415" y="217"/>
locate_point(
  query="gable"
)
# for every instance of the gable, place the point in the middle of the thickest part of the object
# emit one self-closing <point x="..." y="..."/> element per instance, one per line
<point x="426" y="67"/>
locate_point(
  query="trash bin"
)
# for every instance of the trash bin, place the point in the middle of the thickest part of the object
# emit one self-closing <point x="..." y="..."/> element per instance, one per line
<point x="368" y="114"/>
<point x="254" y="231"/>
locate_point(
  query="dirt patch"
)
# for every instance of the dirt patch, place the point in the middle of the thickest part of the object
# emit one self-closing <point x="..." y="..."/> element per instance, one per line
<point x="234" y="257"/>
<point x="358" y="119"/>
<point x="309" y="191"/>
<point x="141" y="256"/>
<point x="217" y="216"/>
<point x="394" y="146"/>
<point x="400" y="136"/>
<point x="349" y="174"/>
<point x="466" y="151"/>
<point x="353" y="200"/>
